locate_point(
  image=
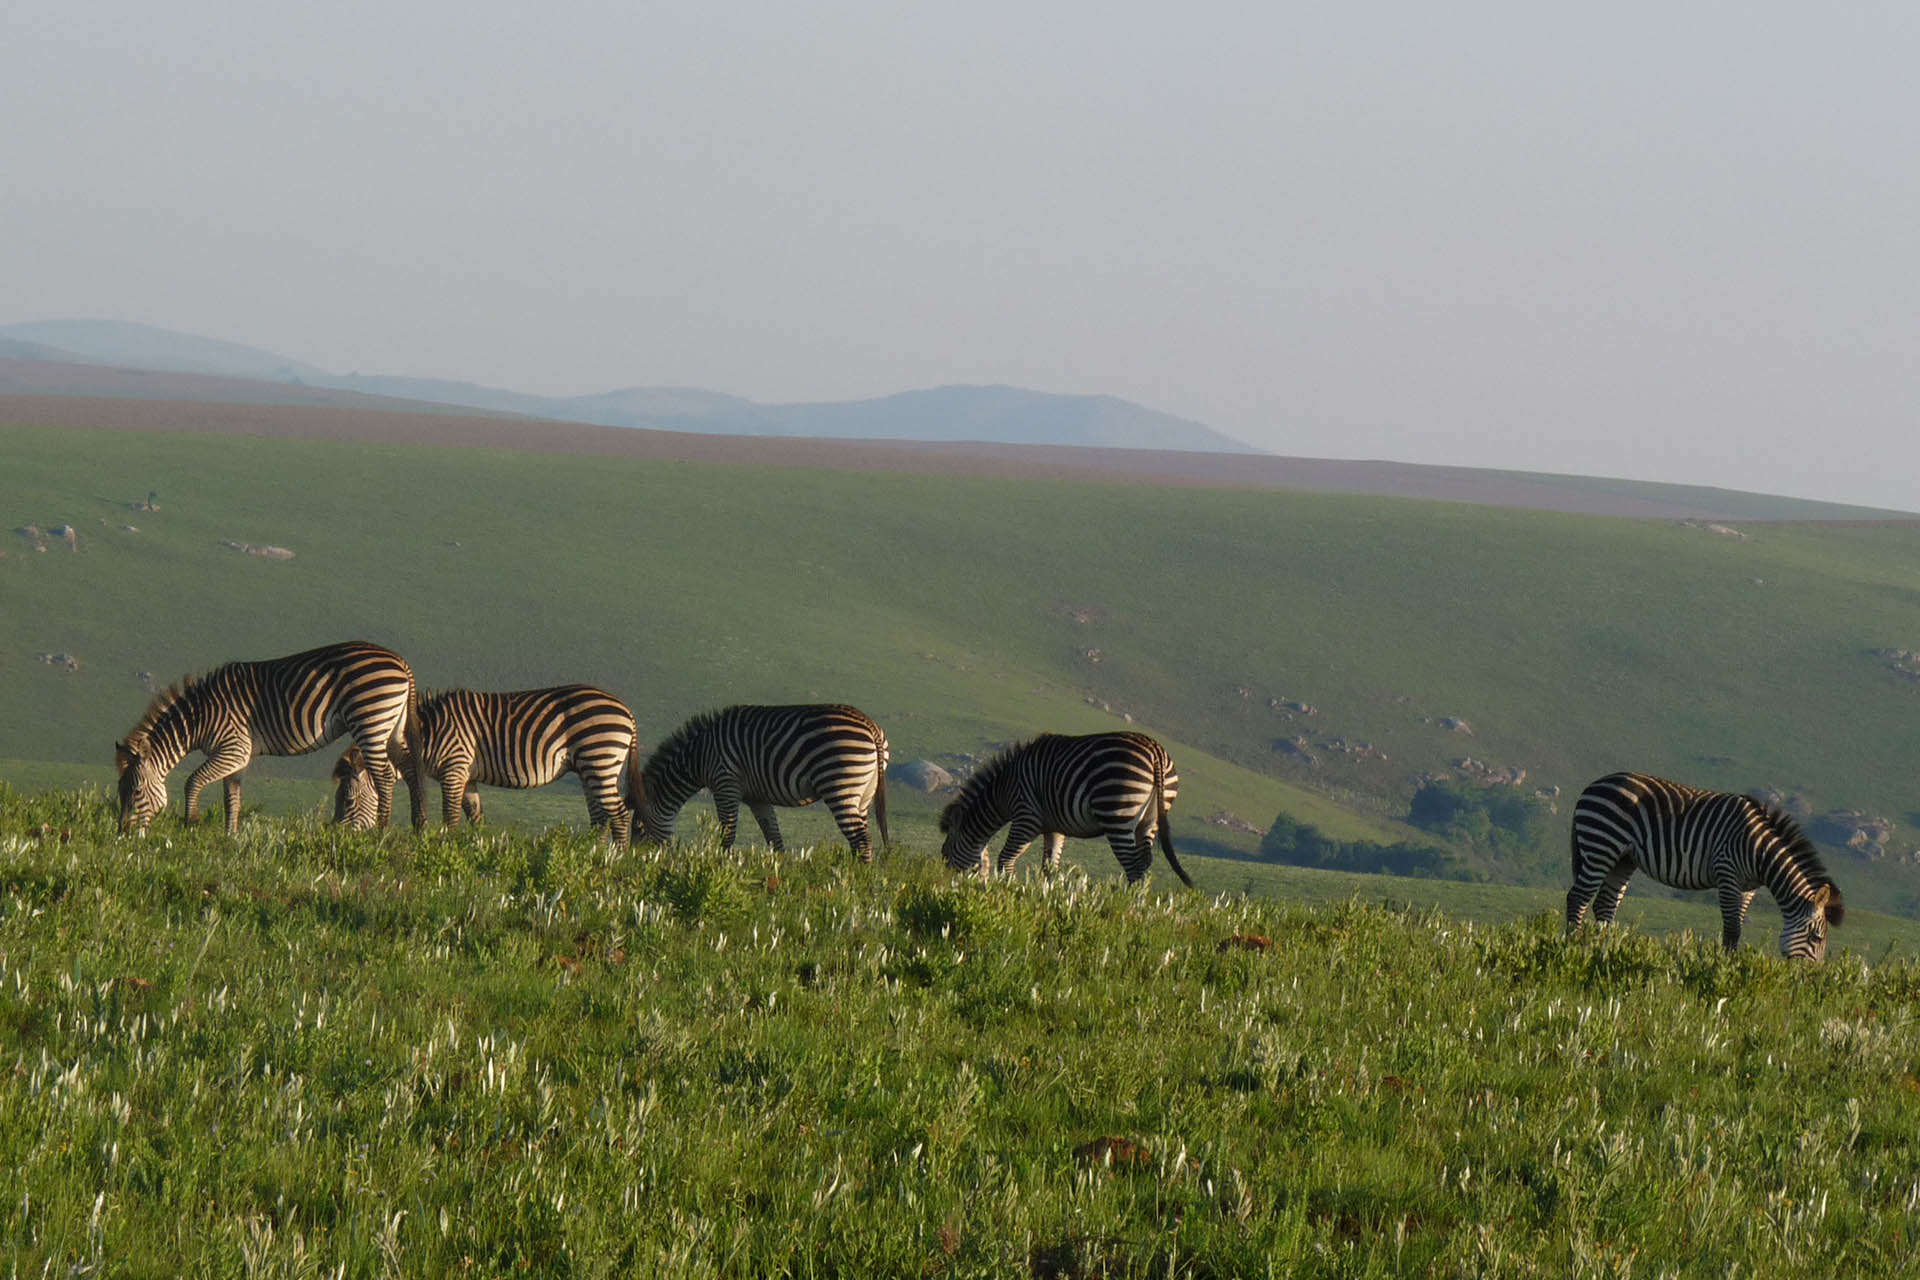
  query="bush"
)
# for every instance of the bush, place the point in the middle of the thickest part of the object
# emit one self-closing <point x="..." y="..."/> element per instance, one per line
<point x="1301" y="845"/>
<point x="1505" y="824"/>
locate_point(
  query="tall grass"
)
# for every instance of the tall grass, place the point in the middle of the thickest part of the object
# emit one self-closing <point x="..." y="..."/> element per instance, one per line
<point x="308" y="1052"/>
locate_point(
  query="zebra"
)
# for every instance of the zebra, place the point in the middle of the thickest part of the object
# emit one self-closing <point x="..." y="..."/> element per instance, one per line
<point x="279" y="707"/>
<point x="1118" y="785"/>
<point x="522" y="739"/>
<point x="355" y="803"/>
<point x="1693" y="839"/>
<point x="766" y="756"/>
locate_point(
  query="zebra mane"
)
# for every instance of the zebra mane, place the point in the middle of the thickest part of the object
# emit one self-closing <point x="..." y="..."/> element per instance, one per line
<point x="163" y="703"/>
<point x="677" y="743"/>
<point x="1804" y="855"/>
<point x="983" y="780"/>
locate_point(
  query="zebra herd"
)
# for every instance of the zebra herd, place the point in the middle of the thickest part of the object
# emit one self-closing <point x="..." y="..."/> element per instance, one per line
<point x="1118" y="785"/>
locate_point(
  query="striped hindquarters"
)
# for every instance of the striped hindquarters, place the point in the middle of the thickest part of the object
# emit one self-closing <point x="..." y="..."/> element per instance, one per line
<point x="1118" y="785"/>
<point x="527" y="738"/>
<point x="766" y="756"/>
<point x="1089" y="785"/>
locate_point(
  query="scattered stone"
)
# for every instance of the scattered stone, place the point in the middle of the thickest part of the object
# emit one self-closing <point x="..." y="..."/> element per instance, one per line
<point x="146" y="681"/>
<point x="1296" y="748"/>
<point x="1243" y="690"/>
<point x="36" y="536"/>
<point x="921" y="775"/>
<point x="1291" y="707"/>
<point x="1487" y="775"/>
<point x="1902" y="662"/>
<point x="1084" y="615"/>
<point x="66" y="660"/>
<point x="1851" y="829"/>
<point x="266" y="552"/>
<point x="1791" y="802"/>
<point x="1456" y="724"/>
<point x="1089" y="655"/>
<point x="1725" y="531"/>
<point x="1233" y="822"/>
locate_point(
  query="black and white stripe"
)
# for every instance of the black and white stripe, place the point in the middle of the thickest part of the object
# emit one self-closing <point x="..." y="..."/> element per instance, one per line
<point x="767" y="756"/>
<point x="355" y="801"/>
<point x="524" y="739"/>
<point x="1693" y="839"/>
<point x="1118" y="785"/>
<point x="280" y="707"/>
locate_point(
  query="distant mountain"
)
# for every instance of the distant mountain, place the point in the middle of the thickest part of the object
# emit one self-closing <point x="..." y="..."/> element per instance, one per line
<point x="140" y="346"/>
<point x="999" y="415"/>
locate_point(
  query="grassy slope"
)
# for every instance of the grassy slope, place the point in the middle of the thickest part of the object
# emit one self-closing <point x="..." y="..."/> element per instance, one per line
<point x="952" y="609"/>
<point x="463" y="1055"/>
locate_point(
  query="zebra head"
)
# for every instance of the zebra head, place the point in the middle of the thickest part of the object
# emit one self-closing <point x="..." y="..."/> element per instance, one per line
<point x="1803" y="935"/>
<point x="355" y="801"/>
<point x="142" y="785"/>
<point x="970" y="820"/>
<point x="672" y="775"/>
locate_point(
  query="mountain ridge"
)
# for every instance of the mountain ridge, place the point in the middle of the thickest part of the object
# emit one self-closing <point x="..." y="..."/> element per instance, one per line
<point x="953" y="412"/>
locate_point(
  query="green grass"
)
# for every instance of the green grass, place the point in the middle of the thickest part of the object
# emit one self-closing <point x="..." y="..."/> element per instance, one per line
<point x="960" y="612"/>
<point x="311" y="1052"/>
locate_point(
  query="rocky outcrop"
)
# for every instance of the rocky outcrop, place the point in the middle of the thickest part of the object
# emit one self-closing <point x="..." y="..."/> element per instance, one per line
<point x="921" y="775"/>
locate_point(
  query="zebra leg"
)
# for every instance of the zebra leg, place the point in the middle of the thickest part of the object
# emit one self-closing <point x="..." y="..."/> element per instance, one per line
<point x="232" y="803"/>
<point x="1019" y="836"/>
<point x="1733" y="913"/>
<point x="1612" y="889"/>
<point x="769" y="825"/>
<point x="1134" y="852"/>
<point x="380" y="767"/>
<point x="726" y="807"/>
<point x="453" y="794"/>
<point x="1587" y="879"/>
<point x="1050" y="851"/>
<point x="221" y="763"/>
<point x="853" y="829"/>
<point x="604" y="806"/>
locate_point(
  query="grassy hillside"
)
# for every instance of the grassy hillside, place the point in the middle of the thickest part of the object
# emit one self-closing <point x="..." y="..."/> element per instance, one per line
<point x="309" y="1051"/>
<point x="964" y="612"/>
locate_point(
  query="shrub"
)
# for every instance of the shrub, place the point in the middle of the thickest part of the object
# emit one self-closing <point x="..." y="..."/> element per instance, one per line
<point x="1302" y="845"/>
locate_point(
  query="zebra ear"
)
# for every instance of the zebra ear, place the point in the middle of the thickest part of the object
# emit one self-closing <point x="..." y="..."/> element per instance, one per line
<point x="124" y="757"/>
<point x="1827" y="898"/>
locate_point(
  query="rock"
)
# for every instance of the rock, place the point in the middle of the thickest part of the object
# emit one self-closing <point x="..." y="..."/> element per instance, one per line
<point x="1295" y="748"/>
<point x="66" y="660"/>
<point x="1456" y="724"/>
<point x="265" y="552"/>
<point x="1090" y="655"/>
<point x="921" y="775"/>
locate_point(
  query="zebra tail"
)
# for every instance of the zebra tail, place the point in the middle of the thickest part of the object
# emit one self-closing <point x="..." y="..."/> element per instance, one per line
<point x="880" y="811"/>
<point x="636" y="793"/>
<point x="416" y="758"/>
<point x="1166" y="836"/>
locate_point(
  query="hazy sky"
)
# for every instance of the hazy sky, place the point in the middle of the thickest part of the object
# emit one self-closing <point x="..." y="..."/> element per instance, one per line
<point x="1675" y="241"/>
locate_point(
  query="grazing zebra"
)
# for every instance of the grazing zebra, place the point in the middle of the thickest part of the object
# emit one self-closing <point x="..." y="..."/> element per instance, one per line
<point x="767" y="756"/>
<point x="521" y="740"/>
<point x="281" y="707"/>
<point x="1118" y="785"/>
<point x="1693" y="839"/>
<point x="355" y="803"/>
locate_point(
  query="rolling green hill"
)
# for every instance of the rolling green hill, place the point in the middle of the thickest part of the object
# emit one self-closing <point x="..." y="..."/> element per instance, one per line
<point x="964" y="612"/>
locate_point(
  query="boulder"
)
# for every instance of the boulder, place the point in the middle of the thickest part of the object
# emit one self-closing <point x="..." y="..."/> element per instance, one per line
<point x="921" y="775"/>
